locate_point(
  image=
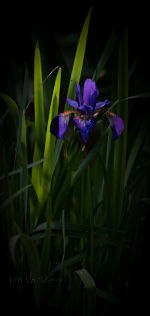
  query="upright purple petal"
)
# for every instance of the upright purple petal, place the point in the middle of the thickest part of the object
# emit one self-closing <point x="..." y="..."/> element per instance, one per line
<point x="90" y="93"/>
<point x="101" y="104"/>
<point x="116" y="124"/>
<point x="84" y="126"/>
<point x="72" y="103"/>
<point x="78" y="93"/>
<point x="59" y="125"/>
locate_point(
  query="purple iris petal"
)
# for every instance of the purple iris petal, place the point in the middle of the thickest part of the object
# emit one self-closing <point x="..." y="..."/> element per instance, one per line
<point x="59" y="125"/>
<point x="101" y="104"/>
<point x="116" y="124"/>
<point x="84" y="126"/>
<point x="75" y="104"/>
<point x="72" y="103"/>
<point x="90" y="93"/>
<point x="78" y="93"/>
<point x="88" y="109"/>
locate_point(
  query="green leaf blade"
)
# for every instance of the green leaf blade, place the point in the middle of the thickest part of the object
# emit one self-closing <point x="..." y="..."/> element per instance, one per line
<point x="89" y="158"/>
<point x="105" y="55"/>
<point x="121" y="143"/>
<point x="135" y="149"/>
<point x="39" y="102"/>
<point x="79" y="58"/>
<point x="86" y="278"/>
<point x="13" y="108"/>
<point x="50" y="139"/>
<point x="39" y="123"/>
<point x="13" y="196"/>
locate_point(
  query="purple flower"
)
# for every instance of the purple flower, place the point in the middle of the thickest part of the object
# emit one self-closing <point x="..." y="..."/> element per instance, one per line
<point x="86" y="110"/>
<point x="116" y="124"/>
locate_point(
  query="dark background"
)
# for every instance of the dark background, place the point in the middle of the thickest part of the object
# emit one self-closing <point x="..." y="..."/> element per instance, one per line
<point x="50" y="23"/>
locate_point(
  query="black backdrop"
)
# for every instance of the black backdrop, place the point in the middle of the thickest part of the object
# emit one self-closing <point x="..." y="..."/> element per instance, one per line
<point x="23" y="25"/>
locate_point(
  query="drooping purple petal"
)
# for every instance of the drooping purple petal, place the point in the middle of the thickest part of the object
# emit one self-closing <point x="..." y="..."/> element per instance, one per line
<point x="90" y="93"/>
<point x="59" y="125"/>
<point x="116" y="124"/>
<point x="84" y="126"/>
<point x="72" y="103"/>
<point x="78" y="93"/>
<point x="101" y="104"/>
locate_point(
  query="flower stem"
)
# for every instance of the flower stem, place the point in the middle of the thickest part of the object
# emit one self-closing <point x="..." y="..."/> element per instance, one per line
<point x="91" y="254"/>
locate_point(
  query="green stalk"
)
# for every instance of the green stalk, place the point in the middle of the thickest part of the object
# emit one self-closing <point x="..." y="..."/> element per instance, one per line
<point x="91" y="255"/>
<point x="23" y="153"/>
<point x="37" y="171"/>
<point x="78" y="61"/>
<point x="50" y="140"/>
<point x="39" y="122"/>
<point x="121" y="143"/>
<point x="47" y="240"/>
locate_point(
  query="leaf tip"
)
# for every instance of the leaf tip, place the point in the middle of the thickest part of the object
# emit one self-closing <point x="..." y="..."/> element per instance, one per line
<point x="37" y="44"/>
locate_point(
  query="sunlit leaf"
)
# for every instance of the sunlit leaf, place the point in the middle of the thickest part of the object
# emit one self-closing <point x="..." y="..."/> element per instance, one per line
<point x="50" y="139"/>
<point x="39" y="121"/>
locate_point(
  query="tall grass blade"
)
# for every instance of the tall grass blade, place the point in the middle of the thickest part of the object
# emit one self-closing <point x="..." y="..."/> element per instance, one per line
<point x="23" y="153"/>
<point x="12" y="246"/>
<point x="50" y="139"/>
<point x="39" y="102"/>
<point x="63" y="235"/>
<point x="39" y="122"/>
<point x="79" y="58"/>
<point x="19" y="170"/>
<point x="56" y="154"/>
<point x="12" y="105"/>
<point x="3" y="116"/>
<point x="121" y="143"/>
<point x="107" y="296"/>
<point x="132" y="97"/>
<point x="34" y="266"/>
<point x="86" y="278"/>
<point x="89" y="158"/>
<point x="105" y="55"/>
<point x="13" y="196"/>
<point x="13" y="108"/>
<point x="135" y="149"/>
<point x="46" y="243"/>
<point x="32" y="255"/>
<point x="24" y="173"/>
<point x="57" y="227"/>
<point x="66" y="264"/>
<point x="21" y="133"/>
<point x="90" y="287"/>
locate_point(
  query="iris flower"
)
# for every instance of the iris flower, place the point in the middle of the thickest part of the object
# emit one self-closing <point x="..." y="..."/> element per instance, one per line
<point x="85" y="113"/>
